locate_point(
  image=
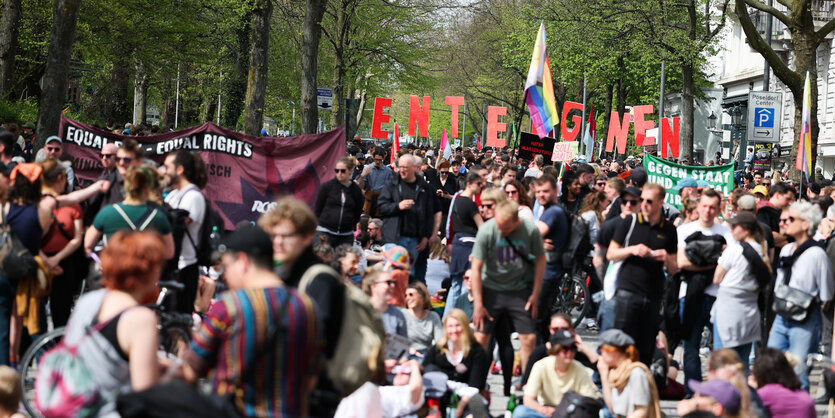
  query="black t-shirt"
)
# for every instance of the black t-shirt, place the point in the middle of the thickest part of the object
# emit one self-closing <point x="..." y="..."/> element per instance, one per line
<point x="463" y="212"/>
<point x="770" y="216"/>
<point x="645" y="276"/>
<point x="614" y="209"/>
<point x="768" y="234"/>
<point x="409" y="222"/>
<point x="607" y="231"/>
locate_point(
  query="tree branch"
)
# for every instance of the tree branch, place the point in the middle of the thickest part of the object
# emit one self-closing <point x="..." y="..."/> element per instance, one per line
<point x="767" y="9"/>
<point x="781" y="70"/>
<point x="820" y="35"/>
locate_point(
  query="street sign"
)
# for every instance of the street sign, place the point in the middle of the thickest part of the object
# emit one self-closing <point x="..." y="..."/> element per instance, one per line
<point x="324" y="98"/>
<point x="765" y="110"/>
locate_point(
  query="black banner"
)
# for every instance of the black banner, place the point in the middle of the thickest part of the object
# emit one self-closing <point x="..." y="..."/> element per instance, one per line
<point x="531" y="145"/>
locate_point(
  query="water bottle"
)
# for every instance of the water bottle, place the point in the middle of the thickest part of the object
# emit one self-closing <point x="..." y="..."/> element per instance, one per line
<point x="214" y="238"/>
<point x="511" y="405"/>
<point x="452" y="409"/>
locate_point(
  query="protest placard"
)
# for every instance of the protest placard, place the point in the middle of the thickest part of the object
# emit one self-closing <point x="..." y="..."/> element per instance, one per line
<point x="565" y="151"/>
<point x="530" y="145"/>
<point x="667" y="174"/>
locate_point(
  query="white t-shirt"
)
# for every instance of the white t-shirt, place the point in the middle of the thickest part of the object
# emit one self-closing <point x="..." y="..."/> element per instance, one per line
<point x="811" y="272"/>
<point x="191" y="200"/>
<point x="363" y="402"/>
<point x="737" y="267"/>
<point x="397" y="401"/>
<point x="688" y="229"/>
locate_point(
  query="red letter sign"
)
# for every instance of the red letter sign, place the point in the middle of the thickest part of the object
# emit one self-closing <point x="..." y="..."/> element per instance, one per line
<point x="572" y="134"/>
<point x="421" y="116"/>
<point x="455" y="102"/>
<point x="494" y="126"/>
<point x="669" y="137"/>
<point x="618" y="131"/>
<point x="380" y="118"/>
<point x="642" y="125"/>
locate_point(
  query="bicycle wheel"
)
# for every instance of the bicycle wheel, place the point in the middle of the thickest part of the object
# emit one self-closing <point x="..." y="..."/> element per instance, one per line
<point x="572" y="298"/>
<point x="29" y="366"/>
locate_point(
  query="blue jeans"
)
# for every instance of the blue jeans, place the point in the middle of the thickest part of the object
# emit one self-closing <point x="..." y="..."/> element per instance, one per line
<point x="523" y="411"/>
<point x="744" y="350"/>
<point x="606" y="314"/>
<point x="458" y="265"/>
<point x="456" y="290"/>
<point x="798" y="338"/>
<point x="692" y="362"/>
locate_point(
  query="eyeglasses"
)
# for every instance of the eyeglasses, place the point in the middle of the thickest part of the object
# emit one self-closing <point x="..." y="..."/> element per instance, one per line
<point x="555" y="329"/>
<point x="788" y="220"/>
<point x="125" y="160"/>
<point x="570" y="349"/>
<point x="340" y="170"/>
<point x="411" y="294"/>
<point x="378" y="160"/>
<point x="53" y="149"/>
<point x="511" y="192"/>
<point x="103" y="155"/>
<point x="487" y="205"/>
<point x="601" y="183"/>
<point x="630" y="202"/>
<point x="648" y="201"/>
<point x="767" y="184"/>
<point x="388" y="282"/>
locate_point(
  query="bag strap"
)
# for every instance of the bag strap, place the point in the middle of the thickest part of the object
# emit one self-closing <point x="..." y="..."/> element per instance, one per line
<point x="148" y="216"/>
<point x="312" y="272"/>
<point x="519" y="253"/>
<point x="758" y="266"/>
<point x="631" y="228"/>
<point x="786" y="263"/>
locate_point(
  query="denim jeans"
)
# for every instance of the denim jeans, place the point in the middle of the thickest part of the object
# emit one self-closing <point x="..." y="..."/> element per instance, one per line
<point x="606" y="314"/>
<point x="456" y="290"/>
<point x="744" y="350"/>
<point x="458" y="265"/>
<point x="799" y="338"/>
<point x="523" y="411"/>
<point x="692" y="363"/>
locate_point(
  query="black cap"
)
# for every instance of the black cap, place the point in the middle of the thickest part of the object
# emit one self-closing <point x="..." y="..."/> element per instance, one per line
<point x="815" y="188"/>
<point x="563" y="338"/>
<point x="6" y="169"/>
<point x="632" y="191"/>
<point x="250" y="240"/>
<point x="638" y="177"/>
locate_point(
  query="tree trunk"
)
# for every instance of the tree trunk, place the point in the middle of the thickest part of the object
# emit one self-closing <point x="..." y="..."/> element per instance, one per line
<point x="805" y="60"/>
<point x="234" y="87"/>
<point x="115" y="102"/>
<point x="311" y="33"/>
<point x="257" y="81"/>
<point x="140" y="90"/>
<point x="65" y="17"/>
<point x="339" y="67"/>
<point x="9" y="19"/>
<point x="167" y="104"/>
<point x="687" y="104"/>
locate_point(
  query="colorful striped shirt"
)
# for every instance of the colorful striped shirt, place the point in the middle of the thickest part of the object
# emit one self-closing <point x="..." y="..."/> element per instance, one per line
<point x="262" y="368"/>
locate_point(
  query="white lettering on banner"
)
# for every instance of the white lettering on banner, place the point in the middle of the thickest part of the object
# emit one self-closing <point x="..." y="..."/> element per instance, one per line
<point x="263" y="207"/>
<point x="85" y="138"/>
<point x="211" y="142"/>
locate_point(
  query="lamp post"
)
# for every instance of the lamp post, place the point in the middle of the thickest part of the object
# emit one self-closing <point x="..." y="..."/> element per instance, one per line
<point x="711" y="122"/>
<point x="736" y="113"/>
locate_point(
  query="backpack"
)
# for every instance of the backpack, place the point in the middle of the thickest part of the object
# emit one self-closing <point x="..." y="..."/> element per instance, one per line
<point x="359" y="352"/>
<point x="578" y="242"/>
<point x="17" y="262"/>
<point x="65" y="385"/>
<point x="202" y="242"/>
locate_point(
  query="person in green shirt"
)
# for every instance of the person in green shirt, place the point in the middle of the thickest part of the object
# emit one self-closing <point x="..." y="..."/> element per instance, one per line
<point x="136" y="213"/>
<point x="508" y="267"/>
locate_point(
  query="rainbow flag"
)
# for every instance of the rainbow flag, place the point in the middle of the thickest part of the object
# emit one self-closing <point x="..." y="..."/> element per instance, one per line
<point x="804" y="148"/>
<point x="539" y="89"/>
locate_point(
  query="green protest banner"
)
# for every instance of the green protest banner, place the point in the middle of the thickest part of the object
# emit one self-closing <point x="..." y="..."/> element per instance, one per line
<point x="667" y="174"/>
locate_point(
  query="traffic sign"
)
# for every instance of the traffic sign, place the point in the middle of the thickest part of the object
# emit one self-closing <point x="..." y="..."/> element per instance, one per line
<point x="765" y="110"/>
<point x="324" y="98"/>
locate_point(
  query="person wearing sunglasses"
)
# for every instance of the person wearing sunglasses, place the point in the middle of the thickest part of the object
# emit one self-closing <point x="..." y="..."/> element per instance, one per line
<point x="380" y="287"/>
<point x="651" y="247"/>
<point x="560" y="321"/>
<point x="339" y="205"/>
<point x="553" y="376"/>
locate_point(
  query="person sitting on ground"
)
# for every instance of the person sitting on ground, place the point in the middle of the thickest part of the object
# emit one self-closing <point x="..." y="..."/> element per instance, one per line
<point x="346" y="262"/>
<point x="437" y="267"/>
<point x="11" y="393"/>
<point x="779" y="387"/>
<point x="379" y="286"/>
<point x="560" y="321"/>
<point x="717" y="396"/>
<point x="403" y="397"/>
<point x="422" y="323"/>
<point x="553" y="376"/>
<point x="628" y="386"/>
<point x="725" y="364"/>
<point x="397" y="264"/>
<point x="323" y="249"/>
<point x="465" y="303"/>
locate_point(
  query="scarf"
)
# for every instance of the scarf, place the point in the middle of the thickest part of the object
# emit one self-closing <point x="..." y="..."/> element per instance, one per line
<point x="619" y="377"/>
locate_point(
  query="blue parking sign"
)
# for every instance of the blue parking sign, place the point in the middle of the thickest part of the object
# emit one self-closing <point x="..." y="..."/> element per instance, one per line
<point x="763" y="117"/>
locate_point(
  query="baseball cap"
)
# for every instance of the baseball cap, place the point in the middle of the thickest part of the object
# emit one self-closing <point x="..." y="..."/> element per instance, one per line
<point x="250" y="240"/>
<point x="761" y="190"/>
<point x="360" y="156"/>
<point x="615" y="338"/>
<point x="815" y="188"/>
<point x="745" y="219"/>
<point x="398" y="257"/>
<point x="746" y="202"/>
<point x="686" y="182"/>
<point x="702" y="184"/>
<point x="54" y="138"/>
<point x="632" y="191"/>
<point x="723" y="391"/>
<point x="430" y="153"/>
<point x="562" y="337"/>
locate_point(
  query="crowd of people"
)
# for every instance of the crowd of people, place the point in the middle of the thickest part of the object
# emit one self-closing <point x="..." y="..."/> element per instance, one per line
<point x="458" y="257"/>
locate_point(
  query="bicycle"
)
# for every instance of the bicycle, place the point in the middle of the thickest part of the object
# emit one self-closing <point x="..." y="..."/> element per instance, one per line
<point x="174" y="335"/>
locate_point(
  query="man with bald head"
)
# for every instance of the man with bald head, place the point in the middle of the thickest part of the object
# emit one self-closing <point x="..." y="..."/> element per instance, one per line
<point x="110" y="173"/>
<point x="408" y="206"/>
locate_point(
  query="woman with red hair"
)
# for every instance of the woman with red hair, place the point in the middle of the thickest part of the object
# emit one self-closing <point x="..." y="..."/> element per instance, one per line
<point x="121" y="349"/>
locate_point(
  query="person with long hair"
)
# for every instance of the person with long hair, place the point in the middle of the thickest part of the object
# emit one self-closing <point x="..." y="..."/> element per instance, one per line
<point x="779" y="387"/>
<point x="592" y="211"/>
<point x="517" y="192"/>
<point x="339" y="205"/>
<point x="422" y="323"/>
<point x="736" y="322"/>
<point x="570" y="197"/>
<point x="464" y="222"/>
<point x="725" y="364"/>
<point x="136" y="212"/>
<point x="122" y="354"/>
<point x="628" y="386"/>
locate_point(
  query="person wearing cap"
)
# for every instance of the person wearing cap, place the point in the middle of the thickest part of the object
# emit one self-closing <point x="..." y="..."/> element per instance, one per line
<point x="53" y="149"/>
<point x="738" y="274"/>
<point x="748" y="203"/>
<point x="761" y="192"/>
<point x="240" y="325"/>
<point x="628" y="385"/>
<point x="781" y="196"/>
<point x="357" y="172"/>
<point x="717" y="396"/>
<point x="553" y="376"/>
<point x="640" y="280"/>
<point x="397" y="263"/>
<point x="687" y="188"/>
<point x="339" y="205"/>
<point x="698" y="292"/>
<point x="630" y="202"/>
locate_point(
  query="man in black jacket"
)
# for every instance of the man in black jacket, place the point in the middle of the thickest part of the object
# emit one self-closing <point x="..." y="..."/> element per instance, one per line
<point x="410" y="211"/>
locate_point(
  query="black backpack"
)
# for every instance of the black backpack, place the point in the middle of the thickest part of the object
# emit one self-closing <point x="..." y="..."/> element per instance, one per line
<point x="578" y="243"/>
<point x="201" y="242"/>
